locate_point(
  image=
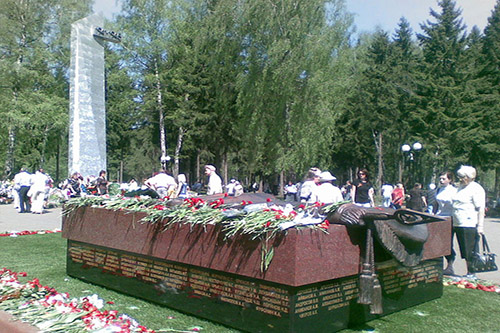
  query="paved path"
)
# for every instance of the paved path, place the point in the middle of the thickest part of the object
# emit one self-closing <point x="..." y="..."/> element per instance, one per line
<point x="11" y="220"/>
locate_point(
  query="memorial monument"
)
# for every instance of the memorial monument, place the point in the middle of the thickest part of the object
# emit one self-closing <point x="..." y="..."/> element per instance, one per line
<point x="314" y="282"/>
<point x="87" y="120"/>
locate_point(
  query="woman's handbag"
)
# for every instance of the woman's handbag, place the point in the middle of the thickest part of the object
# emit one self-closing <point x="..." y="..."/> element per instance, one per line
<point x="483" y="261"/>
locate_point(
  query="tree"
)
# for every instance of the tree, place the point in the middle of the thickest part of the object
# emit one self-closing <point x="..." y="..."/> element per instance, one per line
<point x="145" y="30"/>
<point x="441" y="87"/>
<point x="34" y="86"/>
<point x="288" y="84"/>
<point x="489" y="92"/>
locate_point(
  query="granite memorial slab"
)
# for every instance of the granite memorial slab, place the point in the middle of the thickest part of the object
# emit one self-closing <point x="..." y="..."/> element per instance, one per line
<point x="311" y="283"/>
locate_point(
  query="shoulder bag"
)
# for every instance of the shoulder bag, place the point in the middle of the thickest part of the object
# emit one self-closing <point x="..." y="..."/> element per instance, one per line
<point x="483" y="261"/>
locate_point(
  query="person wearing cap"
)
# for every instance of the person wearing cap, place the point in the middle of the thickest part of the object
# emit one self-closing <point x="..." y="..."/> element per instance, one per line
<point x="309" y="185"/>
<point x="238" y="189"/>
<point x="469" y="204"/>
<point x="230" y="187"/>
<point x="326" y="192"/>
<point x="214" y="180"/>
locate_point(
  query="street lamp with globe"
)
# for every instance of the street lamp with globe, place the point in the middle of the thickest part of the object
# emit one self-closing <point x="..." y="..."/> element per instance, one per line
<point x="164" y="159"/>
<point x="411" y="152"/>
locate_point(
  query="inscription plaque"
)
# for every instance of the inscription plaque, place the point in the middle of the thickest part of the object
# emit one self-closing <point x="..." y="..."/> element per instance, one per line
<point x="251" y="304"/>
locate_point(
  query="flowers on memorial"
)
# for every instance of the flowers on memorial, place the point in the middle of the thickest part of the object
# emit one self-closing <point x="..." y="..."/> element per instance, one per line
<point x="27" y="232"/>
<point x="244" y="217"/>
<point x="261" y="221"/>
<point x="469" y="284"/>
<point x="49" y="310"/>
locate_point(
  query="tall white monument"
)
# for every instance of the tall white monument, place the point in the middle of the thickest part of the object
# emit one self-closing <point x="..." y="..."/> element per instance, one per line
<point x="87" y="120"/>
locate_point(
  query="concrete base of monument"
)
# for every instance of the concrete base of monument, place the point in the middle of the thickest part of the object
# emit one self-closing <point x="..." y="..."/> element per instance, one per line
<point x="310" y="285"/>
<point x="252" y="305"/>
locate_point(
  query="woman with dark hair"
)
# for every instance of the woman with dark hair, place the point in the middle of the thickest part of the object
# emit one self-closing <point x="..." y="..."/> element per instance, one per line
<point x="362" y="190"/>
<point x="444" y="197"/>
<point x="445" y="193"/>
<point x="102" y="183"/>
<point x="417" y="199"/>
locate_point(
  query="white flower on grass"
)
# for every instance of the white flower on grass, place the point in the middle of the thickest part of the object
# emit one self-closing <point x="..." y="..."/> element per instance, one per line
<point x="133" y="322"/>
<point x="94" y="300"/>
<point x="57" y="297"/>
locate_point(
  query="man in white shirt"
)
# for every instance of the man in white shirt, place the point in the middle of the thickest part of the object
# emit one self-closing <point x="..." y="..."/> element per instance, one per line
<point x="214" y="181"/>
<point x="326" y="192"/>
<point x="387" y="194"/>
<point x="162" y="183"/>
<point x="22" y="182"/>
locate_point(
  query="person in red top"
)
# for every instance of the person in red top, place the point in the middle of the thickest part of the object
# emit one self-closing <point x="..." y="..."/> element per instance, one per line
<point x="398" y="196"/>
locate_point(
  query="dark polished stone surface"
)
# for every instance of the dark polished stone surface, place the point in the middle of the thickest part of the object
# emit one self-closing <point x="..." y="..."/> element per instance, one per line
<point x="252" y="304"/>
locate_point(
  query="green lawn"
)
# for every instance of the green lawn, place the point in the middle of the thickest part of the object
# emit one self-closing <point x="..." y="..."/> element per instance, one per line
<point x="44" y="257"/>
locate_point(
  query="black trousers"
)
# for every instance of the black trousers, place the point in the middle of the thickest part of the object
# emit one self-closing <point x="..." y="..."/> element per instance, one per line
<point x="466" y="238"/>
<point x="24" y="200"/>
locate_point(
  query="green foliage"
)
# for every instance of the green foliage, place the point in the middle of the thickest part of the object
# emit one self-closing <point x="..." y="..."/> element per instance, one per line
<point x="33" y="60"/>
<point x="259" y="88"/>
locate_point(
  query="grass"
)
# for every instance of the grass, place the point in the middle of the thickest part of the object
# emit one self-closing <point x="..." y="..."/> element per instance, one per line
<point x="44" y="257"/>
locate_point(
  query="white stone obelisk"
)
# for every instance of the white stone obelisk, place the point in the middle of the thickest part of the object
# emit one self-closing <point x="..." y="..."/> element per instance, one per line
<point x="87" y="120"/>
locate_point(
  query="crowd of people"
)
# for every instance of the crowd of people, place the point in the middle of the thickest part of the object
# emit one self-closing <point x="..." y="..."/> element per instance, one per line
<point x="465" y="201"/>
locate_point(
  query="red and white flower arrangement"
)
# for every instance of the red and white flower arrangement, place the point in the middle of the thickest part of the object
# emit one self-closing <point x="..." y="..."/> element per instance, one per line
<point x="49" y="310"/>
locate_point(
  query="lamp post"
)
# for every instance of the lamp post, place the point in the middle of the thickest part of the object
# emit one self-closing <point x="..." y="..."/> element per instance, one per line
<point x="411" y="153"/>
<point x="164" y="159"/>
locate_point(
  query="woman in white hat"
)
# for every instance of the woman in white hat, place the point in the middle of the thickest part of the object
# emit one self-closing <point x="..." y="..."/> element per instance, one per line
<point x="214" y="180"/>
<point x="309" y="185"/>
<point x="326" y="192"/>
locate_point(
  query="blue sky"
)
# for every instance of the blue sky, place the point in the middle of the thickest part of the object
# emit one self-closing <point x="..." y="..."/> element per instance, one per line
<point x="383" y="13"/>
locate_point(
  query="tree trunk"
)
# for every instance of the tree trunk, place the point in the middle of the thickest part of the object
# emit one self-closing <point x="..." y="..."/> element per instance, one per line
<point x="224" y="168"/>
<point x="178" y="147"/>
<point x="58" y="159"/>
<point x="44" y="146"/>
<point x="378" y="139"/>
<point x="121" y="172"/>
<point x="400" y="170"/>
<point x="497" y="184"/>
<point x="198" y="166"/>
<point x="282" y="184"/>
<point x="163" y="136"/>
<point x="9" y="161"/>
